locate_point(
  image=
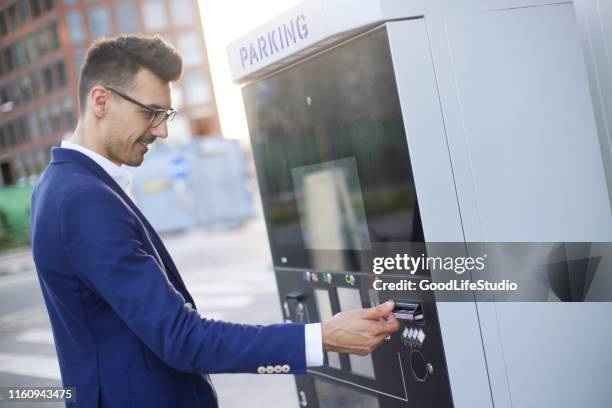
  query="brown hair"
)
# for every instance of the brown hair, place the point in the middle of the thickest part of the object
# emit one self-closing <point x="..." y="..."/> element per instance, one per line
<point x="115" y="61"/>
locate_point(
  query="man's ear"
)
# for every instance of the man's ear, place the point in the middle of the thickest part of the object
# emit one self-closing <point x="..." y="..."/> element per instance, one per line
<point x="99" y="98"/>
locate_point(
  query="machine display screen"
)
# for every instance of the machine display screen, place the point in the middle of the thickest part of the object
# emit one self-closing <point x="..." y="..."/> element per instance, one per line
<point x="334" y="396"/>
<point x="332" y="158"/>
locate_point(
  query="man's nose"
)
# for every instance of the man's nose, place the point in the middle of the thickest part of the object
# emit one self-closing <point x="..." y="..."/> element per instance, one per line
<point x="160" y="131"/>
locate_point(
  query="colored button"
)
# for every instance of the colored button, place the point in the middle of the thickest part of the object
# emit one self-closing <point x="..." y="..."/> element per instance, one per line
<point x="261" y="370"/>
<point x="270" y="369"/>
<point x="286" y="368"/>
<point x="278" y="369"/>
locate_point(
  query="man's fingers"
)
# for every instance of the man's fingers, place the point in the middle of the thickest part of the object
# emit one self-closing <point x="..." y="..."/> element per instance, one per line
<point x="386" y="327"/>
<point x="391" y="325"/>
<point x="376" y="342"/>
<point x="379" y="311"/>
<point x="359" y="331"/>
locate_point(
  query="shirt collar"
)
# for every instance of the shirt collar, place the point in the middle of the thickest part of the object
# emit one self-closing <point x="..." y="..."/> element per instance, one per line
<point x="118" y="173"/>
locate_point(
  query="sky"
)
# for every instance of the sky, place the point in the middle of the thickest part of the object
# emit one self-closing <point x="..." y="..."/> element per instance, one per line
<point x="225" y="21"/>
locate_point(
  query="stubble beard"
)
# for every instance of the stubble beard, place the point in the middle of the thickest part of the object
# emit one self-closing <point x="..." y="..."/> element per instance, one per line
<point x="121" y="152"/>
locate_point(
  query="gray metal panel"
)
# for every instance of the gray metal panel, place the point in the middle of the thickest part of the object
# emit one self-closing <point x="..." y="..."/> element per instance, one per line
<point x="437" y="201"/>
<point x="595" y="20"/>
<point x="529" y="127"/>
<point x="528" y="167"/>
<point x="557" y="354"/>
<point x="541" y="110"/>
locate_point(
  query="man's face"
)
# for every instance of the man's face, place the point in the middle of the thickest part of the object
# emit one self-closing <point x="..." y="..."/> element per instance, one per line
<point x="128" y="133"/>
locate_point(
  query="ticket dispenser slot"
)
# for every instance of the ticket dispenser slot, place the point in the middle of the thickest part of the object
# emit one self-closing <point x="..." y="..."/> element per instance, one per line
<point x="408" y="311"/>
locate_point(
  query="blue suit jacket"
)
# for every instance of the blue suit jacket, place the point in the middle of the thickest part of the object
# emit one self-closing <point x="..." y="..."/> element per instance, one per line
<point x="123" y="332"/>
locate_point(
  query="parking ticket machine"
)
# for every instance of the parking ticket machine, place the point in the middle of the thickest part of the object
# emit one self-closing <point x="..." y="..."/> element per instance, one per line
<point x="376" y="122"/>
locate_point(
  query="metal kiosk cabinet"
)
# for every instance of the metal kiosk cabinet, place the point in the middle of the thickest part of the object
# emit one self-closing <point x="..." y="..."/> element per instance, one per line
<point x="385" y="121"/>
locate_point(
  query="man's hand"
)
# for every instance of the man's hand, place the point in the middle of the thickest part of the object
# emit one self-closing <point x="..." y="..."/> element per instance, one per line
<point x="359" y="331"/>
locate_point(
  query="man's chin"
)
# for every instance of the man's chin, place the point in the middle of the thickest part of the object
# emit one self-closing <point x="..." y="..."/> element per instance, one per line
<point x="135" y="161"/>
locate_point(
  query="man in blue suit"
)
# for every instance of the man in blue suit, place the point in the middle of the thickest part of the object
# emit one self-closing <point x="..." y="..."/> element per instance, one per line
<point x="126" y="329"/>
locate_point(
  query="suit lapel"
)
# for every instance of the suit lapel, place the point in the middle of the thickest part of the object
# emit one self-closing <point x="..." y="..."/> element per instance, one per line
<point x="60" y="154"/>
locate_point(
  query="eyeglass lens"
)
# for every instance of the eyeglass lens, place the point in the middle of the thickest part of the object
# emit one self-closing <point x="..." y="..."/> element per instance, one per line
<point x="160" y="117"/>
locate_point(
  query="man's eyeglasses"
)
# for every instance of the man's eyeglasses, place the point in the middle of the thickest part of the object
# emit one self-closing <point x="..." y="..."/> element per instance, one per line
<point x="158" y="116"/>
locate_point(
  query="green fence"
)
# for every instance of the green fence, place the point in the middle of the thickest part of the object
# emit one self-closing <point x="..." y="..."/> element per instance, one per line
<point x="14" y="216"/>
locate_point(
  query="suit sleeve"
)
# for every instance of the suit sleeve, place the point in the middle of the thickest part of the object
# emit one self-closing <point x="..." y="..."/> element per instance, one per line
<point x="103" y="244"/>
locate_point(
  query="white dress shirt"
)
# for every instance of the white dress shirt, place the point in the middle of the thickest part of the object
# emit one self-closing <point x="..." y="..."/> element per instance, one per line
<point x="312" y="332"/>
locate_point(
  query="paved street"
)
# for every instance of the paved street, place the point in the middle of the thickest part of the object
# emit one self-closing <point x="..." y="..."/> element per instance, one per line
<point x="228" y="273"/>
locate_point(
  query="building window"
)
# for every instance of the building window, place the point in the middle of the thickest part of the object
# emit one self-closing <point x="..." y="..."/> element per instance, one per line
<point x="48" y="79"/>
<point x="60" y="73"/>
<point x="12" y="17"/>
<point x="26" y="91"/>
<point x="75" y="27"/>
<point x="4" y="97"/>
<point x="99" y="22"/>
<point x="127" y="18"/>
<point x="31" y="47"/>
<point x="41" y="39"/>
<point x="197" y="89"/>
<point x="35" y="81"/>
<point x="22" y="130"/>
<point x="24" y="11"/>
<point x="8" y="59"/>
<point x="12" y="134"/>
<point x="53" y="36"/>
<point x="182" y="12"/>
<point x="68" y="113"/>
<point x="154" y="14"/>
<point x="22" y="58"/>
<point x="43" y="117"/>
<point x="79" y="57"/>
<point x="55" y="114"/>
<point x="48" y="5"/>
<point x="33" y="125"/>
<point x="190" y="47"/>
<point x="13" y="91"/>
<point x="35" y="6"/>
<point x="3" y="29"/>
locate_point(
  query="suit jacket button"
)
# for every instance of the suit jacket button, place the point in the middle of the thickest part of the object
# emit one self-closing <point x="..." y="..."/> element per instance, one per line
<point x="269" y="369"/>
<point x="278" y="369"/>
<point x="188" y="305"/>
<point x="261" y="370"/>
<point x="286" y="368"/>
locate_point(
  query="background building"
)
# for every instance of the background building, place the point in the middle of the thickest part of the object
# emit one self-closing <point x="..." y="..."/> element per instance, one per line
<point x="42" y="47"/>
